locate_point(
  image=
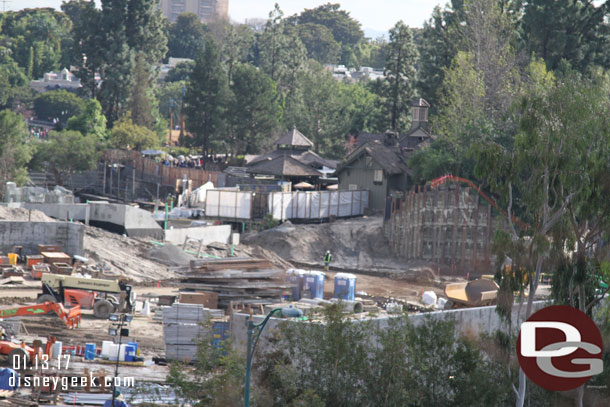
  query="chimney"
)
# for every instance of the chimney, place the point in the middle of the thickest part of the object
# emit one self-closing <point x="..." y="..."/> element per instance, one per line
<point x="420" y="114"/>
<point x="390" y="139"/>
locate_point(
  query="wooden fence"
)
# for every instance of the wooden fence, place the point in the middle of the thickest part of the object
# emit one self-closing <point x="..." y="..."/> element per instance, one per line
<point x="167" y="175"/>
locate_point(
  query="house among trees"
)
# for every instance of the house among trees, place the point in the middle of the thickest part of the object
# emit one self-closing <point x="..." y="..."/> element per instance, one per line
<point x="292" y="160"/>
<point x="379" y="162"/>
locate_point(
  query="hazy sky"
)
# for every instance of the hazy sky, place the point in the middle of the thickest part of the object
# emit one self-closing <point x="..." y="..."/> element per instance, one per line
<point x="377" y="15"/>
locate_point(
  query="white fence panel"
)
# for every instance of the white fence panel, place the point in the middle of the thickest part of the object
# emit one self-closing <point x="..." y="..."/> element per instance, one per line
<point x="228" y="204"/>
<point x="317" y="204"/>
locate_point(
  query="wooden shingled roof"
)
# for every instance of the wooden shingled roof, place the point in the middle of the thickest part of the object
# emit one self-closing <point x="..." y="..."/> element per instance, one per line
<point x="388" y="158"/>
<point x="283" y="165"/>
<point x="294" y="138"/>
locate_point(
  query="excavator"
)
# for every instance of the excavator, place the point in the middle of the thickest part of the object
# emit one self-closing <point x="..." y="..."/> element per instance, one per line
<point x="71" y="319"/>
<point x="88" y="293"/>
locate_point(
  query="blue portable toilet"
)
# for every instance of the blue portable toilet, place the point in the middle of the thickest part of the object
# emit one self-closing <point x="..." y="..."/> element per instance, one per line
<point x="294" y="277"/>
<point x="313" y="285"/>
<point x="9" y="379"/>
<point x="345" y="286"/>
<point x="90" y="353"/>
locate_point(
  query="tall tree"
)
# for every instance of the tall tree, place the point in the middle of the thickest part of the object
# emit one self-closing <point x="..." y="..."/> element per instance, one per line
<point x="400" y="74"/>
<point x="91" y="122"/>
<point x="127" y="134"/>
<point x="440" y="41"/>
<point x="320" y="43"/>
<point x="186" y="36"/>
<point x="255" y="109"/>
<point x="87" y="36"/>
<point x="129" y="27"/>
<point x="58" y="104"/>
<point x="14" y="149"/>
<point x="206" y="97"/>
<point x="140" y="102"/>
<point x="574" y="30"/>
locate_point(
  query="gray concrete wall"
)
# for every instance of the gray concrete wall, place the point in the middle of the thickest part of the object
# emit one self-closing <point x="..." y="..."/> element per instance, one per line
<point x="31" y="234"/>
<point x="209" y="234"/>
<point x="469" y="322"/>
<point x="61" y="211"/>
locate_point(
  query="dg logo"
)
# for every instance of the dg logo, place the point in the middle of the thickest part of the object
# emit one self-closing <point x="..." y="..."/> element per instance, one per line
<point x="559" y="348"/>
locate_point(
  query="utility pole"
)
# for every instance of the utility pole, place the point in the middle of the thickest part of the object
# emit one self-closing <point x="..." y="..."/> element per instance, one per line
<point x="4" y="4"/>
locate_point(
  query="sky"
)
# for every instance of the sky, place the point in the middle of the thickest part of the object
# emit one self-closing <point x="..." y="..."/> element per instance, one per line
<point x="374" y="15"/>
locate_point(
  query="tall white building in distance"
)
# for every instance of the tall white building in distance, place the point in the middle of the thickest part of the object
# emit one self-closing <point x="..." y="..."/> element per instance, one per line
<point x="207" y="10"/>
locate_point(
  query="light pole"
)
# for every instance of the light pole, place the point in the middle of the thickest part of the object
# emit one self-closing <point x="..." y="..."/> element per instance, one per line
<point x="120" y="320"/>
<point x="254" y="332"/>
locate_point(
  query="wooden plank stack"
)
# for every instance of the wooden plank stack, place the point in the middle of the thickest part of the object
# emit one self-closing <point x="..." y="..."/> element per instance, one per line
<point x="246" y="280"/>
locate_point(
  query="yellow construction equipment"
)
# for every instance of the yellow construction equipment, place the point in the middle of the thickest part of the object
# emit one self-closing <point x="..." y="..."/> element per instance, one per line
<point x="476" y="293"/>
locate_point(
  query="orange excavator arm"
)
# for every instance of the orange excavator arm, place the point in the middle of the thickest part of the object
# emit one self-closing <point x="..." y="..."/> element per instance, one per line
<point x="452" y="178"/>
<point x="71" y="317"/>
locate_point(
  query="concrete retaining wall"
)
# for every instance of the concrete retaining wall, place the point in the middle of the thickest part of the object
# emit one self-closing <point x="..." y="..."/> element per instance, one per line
<point x="31" y="234"/>
<point x="209" y="234"/>
<point x="78" y="212"/>
<point x="469" y="321"/>
<point x="135" y="222"/>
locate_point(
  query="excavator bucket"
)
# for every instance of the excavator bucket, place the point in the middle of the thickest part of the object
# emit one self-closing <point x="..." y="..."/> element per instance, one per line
<point x="71" y="316"/>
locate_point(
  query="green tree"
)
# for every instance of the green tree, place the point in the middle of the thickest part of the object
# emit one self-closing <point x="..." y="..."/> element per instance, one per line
<point x="182" y="72"/>
<point x="255" y="109"/>
<point x="346" y="30"/>
<point x="169" y="97"/>
<point x="319" y="42"/>
<point x="140" y="102"/>
<point x="439" y="44"/>
<point x="206" y="98"/>
<point x="67" y="152"/>
<point x="11" y="77"/>
<point x="91" y="122"/>
<point x="129" y="28"/>
<point x="575" y="31"/>
<point x="281" y="54"/>
<point x="86" y="53"/>
<point x="14" y="150"/>
<point x="38" y="39"/>
<point x="127" y="134"/>
<point x="58" y="104"/>
<point x="400" y="73"/>
<point x="186" y="36"/>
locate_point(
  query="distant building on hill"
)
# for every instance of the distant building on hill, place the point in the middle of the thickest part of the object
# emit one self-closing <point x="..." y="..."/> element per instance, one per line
<point x="207" y="10"/>
<point x="56" y="80"/>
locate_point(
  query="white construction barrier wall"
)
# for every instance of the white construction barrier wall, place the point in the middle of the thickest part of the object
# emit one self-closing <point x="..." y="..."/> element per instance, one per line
<point x="317" y="204"/>
<point x="228" y="204"/>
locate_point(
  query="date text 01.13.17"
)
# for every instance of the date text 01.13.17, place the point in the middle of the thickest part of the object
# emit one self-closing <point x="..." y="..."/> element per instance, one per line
<point x="22" y="362"/>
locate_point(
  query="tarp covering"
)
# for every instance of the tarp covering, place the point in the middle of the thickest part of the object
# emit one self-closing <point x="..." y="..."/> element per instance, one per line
<point x="228" y="204"/>
<point x="317" y="204"/>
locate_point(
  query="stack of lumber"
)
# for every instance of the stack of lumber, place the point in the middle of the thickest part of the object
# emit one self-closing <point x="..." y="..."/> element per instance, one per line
<point x="183" y="326"/>
<point x="233" y="263"/>
<point x="253" y="285"/>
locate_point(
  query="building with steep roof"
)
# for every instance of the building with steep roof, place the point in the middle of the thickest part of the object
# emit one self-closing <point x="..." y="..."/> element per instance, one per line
<point x="379" y="161"/>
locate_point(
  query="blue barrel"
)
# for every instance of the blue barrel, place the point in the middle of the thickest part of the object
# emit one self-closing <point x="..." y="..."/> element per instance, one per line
<point x="345" y="286"/>
<point x="130" y="353"/>
<point x="90" y="351"/>
<point x="135" y="346"/>
<point x="314" y="284"/>
<point x="294" y="278"/>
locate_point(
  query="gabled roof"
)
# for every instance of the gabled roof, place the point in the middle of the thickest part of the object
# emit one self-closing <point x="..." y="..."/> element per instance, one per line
<point x="283" y="165"/>
<point x="294" y="138"/>
<point x="419" y="102"/>
<point x="387" y="158"/>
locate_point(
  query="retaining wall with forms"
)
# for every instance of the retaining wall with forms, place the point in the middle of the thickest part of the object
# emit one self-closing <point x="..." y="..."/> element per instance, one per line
<point x="30" y="234"/>
<point x="285" y="205"/>
<point x="469" y="321"/>
<point x="449" y="226"/>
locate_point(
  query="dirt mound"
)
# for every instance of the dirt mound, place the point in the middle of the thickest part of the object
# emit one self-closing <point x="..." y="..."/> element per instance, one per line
<point x="123" y="255"/>
<point x="170" y="255"/>
<point x="20" y="214"/>
<point x="357" y="244"/>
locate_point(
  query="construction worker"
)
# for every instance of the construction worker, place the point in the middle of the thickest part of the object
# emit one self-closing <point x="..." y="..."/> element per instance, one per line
<point x="327" y="259"/>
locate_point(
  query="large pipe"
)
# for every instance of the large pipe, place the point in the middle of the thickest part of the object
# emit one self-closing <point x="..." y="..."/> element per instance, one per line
<point x="350" y="306"/>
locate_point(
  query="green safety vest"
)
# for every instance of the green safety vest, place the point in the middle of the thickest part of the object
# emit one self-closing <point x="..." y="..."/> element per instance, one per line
<point x="327" y="258"/>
